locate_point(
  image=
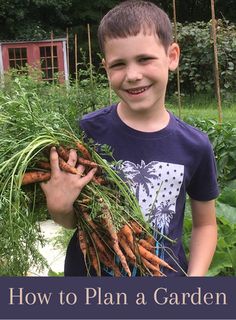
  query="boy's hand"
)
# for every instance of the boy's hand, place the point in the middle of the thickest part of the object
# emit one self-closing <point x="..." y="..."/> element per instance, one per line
<point x="63" y="189"/>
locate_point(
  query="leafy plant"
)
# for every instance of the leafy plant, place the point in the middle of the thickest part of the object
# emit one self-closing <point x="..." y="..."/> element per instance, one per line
<point x="93" y="87"/>
<point x="197" y="58"/>
<point x="224" y="260"/>
<point x="223" y="139"/>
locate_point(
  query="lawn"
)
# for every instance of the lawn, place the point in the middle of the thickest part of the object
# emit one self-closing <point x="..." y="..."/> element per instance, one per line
<point x="203" y="107"/>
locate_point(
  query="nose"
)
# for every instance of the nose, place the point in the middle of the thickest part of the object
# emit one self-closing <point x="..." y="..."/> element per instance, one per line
<point x="133" y="73"/>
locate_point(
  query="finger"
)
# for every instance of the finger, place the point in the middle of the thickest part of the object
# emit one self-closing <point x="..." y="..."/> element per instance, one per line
<point x="80" y="169"/>
<point x="88" y="177"/>
<point x="54" y="161"/>
<point x="43" y="186"/>
<point x="72" y="158"/>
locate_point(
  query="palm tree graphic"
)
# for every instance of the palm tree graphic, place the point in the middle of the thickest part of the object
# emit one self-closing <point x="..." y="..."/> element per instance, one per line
<point x="161" y="216"/>
<point x="140" y="175"/>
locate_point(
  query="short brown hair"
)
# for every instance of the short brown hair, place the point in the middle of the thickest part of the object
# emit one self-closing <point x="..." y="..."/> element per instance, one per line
<point x="130" y="17"/>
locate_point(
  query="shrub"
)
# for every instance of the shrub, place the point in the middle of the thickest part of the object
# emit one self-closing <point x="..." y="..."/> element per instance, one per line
<point x="223" y="139"/>
<point x="197" y="57"/>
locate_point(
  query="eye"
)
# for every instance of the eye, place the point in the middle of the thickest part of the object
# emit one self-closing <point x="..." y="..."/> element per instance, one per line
<point x="117" y="65"/>
<point x="145" y="59"/>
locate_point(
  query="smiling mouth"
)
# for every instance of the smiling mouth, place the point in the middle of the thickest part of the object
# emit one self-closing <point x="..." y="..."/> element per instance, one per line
<point x="136" y="91"/>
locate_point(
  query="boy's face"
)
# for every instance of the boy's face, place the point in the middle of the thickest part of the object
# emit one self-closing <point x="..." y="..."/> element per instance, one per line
<point x="137" y="68"/>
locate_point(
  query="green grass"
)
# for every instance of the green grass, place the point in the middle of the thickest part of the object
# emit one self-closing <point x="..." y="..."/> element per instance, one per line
<point x="229" y="114"/>
<point x="203" y="107"/>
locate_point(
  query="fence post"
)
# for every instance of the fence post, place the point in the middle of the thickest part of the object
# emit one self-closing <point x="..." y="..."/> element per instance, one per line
<point x="90" y="53"/>
<point x="217" y="77"/>
<point x="178" y="74"/>
<point x="68" y="51"/>
<point x="52" y="57"/>
<point x="76" y="59"/>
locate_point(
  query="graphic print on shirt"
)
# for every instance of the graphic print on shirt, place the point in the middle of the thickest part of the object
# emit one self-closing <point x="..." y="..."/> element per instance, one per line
<point x="157" y="187"/>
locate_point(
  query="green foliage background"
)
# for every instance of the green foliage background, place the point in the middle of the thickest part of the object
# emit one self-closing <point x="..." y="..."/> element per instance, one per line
<point x="34" y="20"/>
<point x="223" y="139"/>
<point x="31" y="18"/>
<point x="197" y="74"/>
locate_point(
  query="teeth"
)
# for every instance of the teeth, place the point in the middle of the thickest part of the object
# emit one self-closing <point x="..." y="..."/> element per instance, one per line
<point x="137" y="91"/>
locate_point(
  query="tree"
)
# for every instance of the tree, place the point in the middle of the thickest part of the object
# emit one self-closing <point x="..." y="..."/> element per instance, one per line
<point x="34" y="19"/>
<point x="27" y="19"/>
<point x="199" y="10"/>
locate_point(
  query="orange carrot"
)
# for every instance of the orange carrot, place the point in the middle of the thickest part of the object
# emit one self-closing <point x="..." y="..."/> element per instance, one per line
<point x="146" y="245"/>
<point x="66" y="167"/>
<point x="98" y="180"/>
<point x="152" y="242"/>
<point x="153" y="258"/>
<point x="150" y="266"/>
<point x="100" y="245"/>
<point x="127" y="233"/>
<point x="127" y="249"/>
<point x="43" y="165"/>
<point x="158" y="273"/>
<point x="88" y="218"/>
<point x="82" y="242"/>
<point x="84" y="151"/>
<point x="114" y="238"/>
<point x="94" y="260"/>
<point x="35" y="176"/>
<point x="63" y="153"/>
<point x="137" y="229"/>
<point x="87" y="162"/>
<point x="98" y="242"/>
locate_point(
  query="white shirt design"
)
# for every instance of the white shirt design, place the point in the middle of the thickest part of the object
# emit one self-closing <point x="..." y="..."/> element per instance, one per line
<point x="157" y="187"/>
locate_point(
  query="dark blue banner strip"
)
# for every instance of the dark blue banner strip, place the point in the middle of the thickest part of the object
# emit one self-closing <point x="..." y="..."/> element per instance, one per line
<point x="117" y="298"/>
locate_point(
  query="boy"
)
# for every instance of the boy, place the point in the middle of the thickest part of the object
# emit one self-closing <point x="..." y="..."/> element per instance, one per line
<point x="162" y="157"/>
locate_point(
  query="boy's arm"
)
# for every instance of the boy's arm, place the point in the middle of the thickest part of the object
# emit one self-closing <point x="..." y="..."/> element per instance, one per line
<point x="63" y="189"/>
<point x="204" y="237"/>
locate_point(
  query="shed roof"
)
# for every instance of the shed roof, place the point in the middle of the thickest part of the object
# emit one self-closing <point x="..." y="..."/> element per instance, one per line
<point x="32" y="41"/>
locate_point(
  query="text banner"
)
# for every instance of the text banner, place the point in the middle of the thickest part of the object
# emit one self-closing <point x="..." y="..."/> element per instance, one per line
<point x="117" y="298"/>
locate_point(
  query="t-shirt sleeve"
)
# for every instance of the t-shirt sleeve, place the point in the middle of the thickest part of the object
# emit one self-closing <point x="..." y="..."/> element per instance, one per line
<point x="203" y="185"/>
<point x="85" y="129"/>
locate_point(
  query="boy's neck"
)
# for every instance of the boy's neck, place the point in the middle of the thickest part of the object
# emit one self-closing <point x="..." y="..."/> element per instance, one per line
<point x="151" y="121"/>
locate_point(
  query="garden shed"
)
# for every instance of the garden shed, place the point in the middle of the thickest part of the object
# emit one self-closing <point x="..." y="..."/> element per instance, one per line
<point x="49" y="56"/>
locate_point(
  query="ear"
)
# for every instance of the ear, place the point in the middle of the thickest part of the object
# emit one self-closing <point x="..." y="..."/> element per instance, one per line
<point x="104" y="63"/>
<point x="173" y="54"/>
<point x="105" y="67"/>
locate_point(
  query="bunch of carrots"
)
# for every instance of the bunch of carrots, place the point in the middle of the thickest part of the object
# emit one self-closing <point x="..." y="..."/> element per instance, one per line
<point x="112" y="230"/>
<point x="100" y="242"/>
<point x="103" y="242"/>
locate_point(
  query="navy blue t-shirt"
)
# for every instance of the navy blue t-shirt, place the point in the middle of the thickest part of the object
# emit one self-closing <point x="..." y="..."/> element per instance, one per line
<point x="161" y="168"/>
